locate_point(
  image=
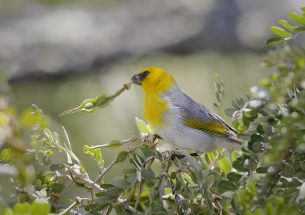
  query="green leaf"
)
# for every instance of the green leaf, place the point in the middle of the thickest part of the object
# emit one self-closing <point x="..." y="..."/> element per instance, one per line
<point x="234" y="177"/>
<point x="55" y="167"/>
<point x="225" y="164"/>
<point x="57" y="187"/>
<point x="256" y="138"/>
<point x="147" y="151"/>
<point x="286" y="24"/>
<point x="276" y="41"/>
<point x="299" y="19"/>
<point x="148" y="174"/>
<point x="94" y="153"/>
<point x="262" y="169"/>
<point x="102" y="101"/>
<point x="157" y="208"/>
<point x="32" y="209"/>
<point x="119" y="209"/>
<point x="106" y="186"/>
<point x="122" y="156"/>
<point x="82" y="167"/>
<point x="229" y="112"/>
<point x="226" y="185"/>
<point x="260" y="129"/>
<point x="111" y="192"/>
<point x="234" y="155"/>
<point x="96" y="208"/>
<point x="68" y="148"/>
<point x="143" y="127"/>
<point x="40" y="209"/>
<point x="34" y="118"/>
<point x="22" y="208"/>
<point x="280" y="32"/>
<point x="6" y="155"/>
<point x="114" y="144"/>
<point x="239" y="164"/>
<point x="8" y="211"/>
<point x="299" y="29"/>
<point x="137" y="161"/>
<point x="255" y="146"/>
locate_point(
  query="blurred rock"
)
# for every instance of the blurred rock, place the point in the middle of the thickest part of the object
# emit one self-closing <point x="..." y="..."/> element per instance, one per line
<point x="69" y="38"/>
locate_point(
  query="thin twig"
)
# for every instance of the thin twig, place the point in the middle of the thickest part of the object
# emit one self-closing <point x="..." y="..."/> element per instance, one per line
<point x="141" y="185"/>
<point x="77" y="201"/>
<point x="87" y="180"/>
<point x="105" y="171"/>
<point x="109" y="209"/>
<point x="89" y="105"/>
<point x="131" y="139"/>
<point x="68" y="208"/>
<point x="128" y="207"/>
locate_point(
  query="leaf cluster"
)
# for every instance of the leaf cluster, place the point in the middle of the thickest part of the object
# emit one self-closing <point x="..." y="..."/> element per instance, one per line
<point x="266" y="176"/>
<point x="287" y="29"/>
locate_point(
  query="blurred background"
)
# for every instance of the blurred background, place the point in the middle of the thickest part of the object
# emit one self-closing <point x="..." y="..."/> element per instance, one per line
<point x="57" y="53"/>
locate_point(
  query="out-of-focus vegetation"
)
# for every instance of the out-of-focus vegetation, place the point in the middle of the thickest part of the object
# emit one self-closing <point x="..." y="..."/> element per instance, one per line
<point x="288" y="30"/>
<point x="265" y="177"/>
<point x="60" y="37"/>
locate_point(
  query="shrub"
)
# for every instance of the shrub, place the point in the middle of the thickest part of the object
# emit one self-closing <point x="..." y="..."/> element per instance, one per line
<point x="265" y="177"/>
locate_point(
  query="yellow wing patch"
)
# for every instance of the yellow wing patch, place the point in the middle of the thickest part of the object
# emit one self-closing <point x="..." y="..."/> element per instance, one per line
<point x="214" y="127"/>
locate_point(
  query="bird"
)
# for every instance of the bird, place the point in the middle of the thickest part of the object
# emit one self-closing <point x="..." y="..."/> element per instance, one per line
<point x="180" y="120"/>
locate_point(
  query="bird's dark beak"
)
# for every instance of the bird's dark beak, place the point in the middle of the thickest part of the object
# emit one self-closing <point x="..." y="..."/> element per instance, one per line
<point x="136" y="79"/>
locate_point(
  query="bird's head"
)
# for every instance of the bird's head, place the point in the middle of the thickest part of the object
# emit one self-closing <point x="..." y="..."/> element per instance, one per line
<point x="154" y="80"/>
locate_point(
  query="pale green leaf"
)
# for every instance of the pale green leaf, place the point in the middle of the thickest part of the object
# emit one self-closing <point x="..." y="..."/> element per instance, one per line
<point x="225" y="164"/>
<point x="40" y="209"/>
<point x="286" y="24"/>
<point x="94" y="153"/>
<point x="226" y="185"/>
<point x="143" y="127"/>
<point x="299" y="19"/>
<point x="276" y="41"/>
<point x="280" y="32"/>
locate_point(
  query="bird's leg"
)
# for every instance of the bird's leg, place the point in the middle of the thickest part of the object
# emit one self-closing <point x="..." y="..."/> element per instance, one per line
<point x="157" y="136"/>
<point x="180" y="156"/>
<point x="151" y="138"/>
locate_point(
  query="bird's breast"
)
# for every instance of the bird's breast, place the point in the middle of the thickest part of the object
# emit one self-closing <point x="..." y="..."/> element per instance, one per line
<point x="155" y="108"/>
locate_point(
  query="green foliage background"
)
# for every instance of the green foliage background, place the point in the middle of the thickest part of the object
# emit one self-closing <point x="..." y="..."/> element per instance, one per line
<point x="265" y="177"/>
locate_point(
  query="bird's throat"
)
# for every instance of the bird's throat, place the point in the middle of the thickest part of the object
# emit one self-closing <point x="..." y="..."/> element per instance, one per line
<point x="155" y="109"/>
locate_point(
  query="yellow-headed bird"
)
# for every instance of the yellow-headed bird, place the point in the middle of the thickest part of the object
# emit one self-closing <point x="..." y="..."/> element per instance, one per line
<point x="177" y="118"/>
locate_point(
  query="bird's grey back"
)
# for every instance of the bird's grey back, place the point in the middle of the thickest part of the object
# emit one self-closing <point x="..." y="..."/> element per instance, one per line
<point x="189" y="107"/>
<point x="193" y="110"/>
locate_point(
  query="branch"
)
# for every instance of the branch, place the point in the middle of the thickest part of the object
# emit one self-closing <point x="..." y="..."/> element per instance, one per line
<point x="105" y="171"/>
<point x="77" y="201"/>
<point x="128" y="207"/>
<point x="102" y="101"/>
<point x="116" y="143"/>
<point x="84" y="177"/>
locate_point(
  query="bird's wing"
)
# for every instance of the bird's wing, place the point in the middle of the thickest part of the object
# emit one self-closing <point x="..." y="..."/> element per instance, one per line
<point x="224" y="123"/>
<point x="210" y="126"/>
<point x="197" y="116"/>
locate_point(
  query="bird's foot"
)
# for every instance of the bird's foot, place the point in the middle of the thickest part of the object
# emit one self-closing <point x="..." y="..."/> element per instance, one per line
<point x="180" y="156"/>
<point x="150" y="139"/>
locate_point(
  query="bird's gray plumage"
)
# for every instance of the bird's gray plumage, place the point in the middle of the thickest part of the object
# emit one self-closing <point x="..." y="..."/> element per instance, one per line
<point x="193" y="109"/>
<point x="186" y="108"/>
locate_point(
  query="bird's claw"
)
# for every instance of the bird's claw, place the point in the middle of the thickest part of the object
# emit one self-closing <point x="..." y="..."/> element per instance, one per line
<point x="180" y="156"/>
<point x="151" y="138"/>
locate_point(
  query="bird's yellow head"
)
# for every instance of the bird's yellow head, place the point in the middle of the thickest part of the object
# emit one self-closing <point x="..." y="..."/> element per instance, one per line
<point x="154" y="80"/>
